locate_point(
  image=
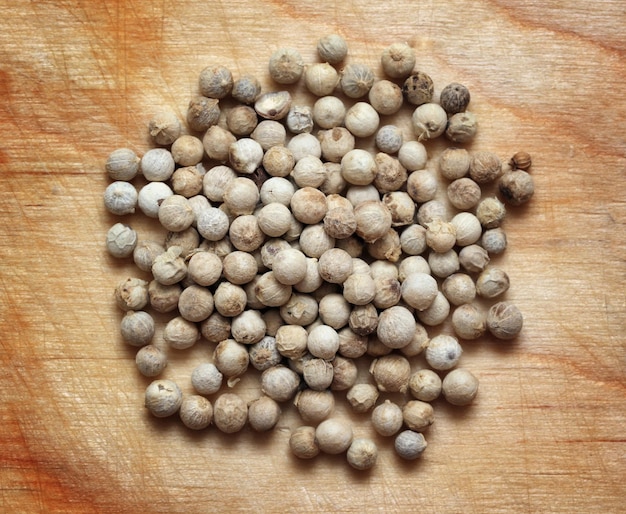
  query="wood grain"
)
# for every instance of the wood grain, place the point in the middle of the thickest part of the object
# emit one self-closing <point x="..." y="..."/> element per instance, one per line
<point x="546" y="434"/>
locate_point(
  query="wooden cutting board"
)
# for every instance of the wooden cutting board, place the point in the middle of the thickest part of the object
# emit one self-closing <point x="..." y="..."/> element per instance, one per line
<point x="546" y="433"/>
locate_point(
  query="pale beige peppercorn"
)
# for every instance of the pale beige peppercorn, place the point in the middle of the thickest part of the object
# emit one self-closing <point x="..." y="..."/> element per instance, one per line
<point x="217" y="141"/>
<point x="410" y="445"/>
<point x="274" y="105"/>
<point x="387" y="418"/>
<point x="314" y="406"/>
<point x="202" y="113"/>
<point x="362" y="454"/>
<point x="391" y="373"/>
<point x="187" y="150"/>
<point x="263" y="414"/>
<point x="454" y="163"/>
<point x="356" y="80"/>
<point x="425" y="385"/>
<point x="248" y="327"/>
<point x="468" y="321"/>
<point x="436" y="313"/>
<point x="206" y="378"/>
<point x="504" y="320"/>
<point x="280" y="383"/>
<point x="230" y="413"/>
<point x="150" y="360"/>
<point x="196" y="412"/>
<point x="309" y="171"/>
<point x="302" y="443"/>
<point x="321" y="79"/>
<point x="460" y="387"/>
<point x="459" y="289"/>
<point x="163" y="298"/>
<point x="163" y="398"/>
<point x="231" y="359"/>
<point x="516" y="187"/>
<point x="492" y="282"/>
<point x="490" y="212"/>
<point x="443" y="352"/>
<point x="300" y="309"/>
<point x="464" y="193"/>
<point x="323" y="342"/>
<point x="373" y="220"/>
<point x="468" y="228"/>
<point x="484" y="167"/>
<point x="345" y="373"/>
<point x="215" y="81"/>
<point x="314" y="241"/>
<point x="180" y="333"/>
<point x="245" y="234"/>
<point x="286" y="66"/>
<point x="270" y="292"/>
<point x="386" y="97"/>
<point x="229" y="299"/>
<point x="317" y="374"/>
<point x="308" y="205"/>
<point x="137" y="328"/>
<point x="362" y="397"/>
<point x="164" y="128"/>
<point x="419" y="290"/>
<point x="418" y="415"/>
<point x="329" y="112"/>
<point x="195" y="303"/>
<point x="264" y="354"/>
<point x="131" y="294"/>
<point x="122" y="164"/>
<point x="422" y="186"/>
<point x="335" y="143"/>
<point x="359" y="289"/>
<point x="362" y="120"/>
<point x="333" y="436"/>
<point x="363" y="319"/>
<point x="396" y="326"/>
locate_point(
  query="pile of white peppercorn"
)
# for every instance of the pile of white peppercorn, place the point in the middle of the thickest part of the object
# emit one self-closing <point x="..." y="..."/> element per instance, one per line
<point x="293" y="249"/>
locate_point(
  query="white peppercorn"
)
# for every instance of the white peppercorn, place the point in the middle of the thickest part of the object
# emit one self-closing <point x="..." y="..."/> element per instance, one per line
<point x="231" y="359"/>
<point x="303" y="145"/>
<point x="206" y="378"/>
<point x="120" y="198"/>
<point x="321" y="79"/>
<point x="388" y="292"/>
<point x="468" y="228"/>
<point x="443" y="265"/>
<point x="468" y="321"/>
<point x="187" y="150"/>
<point x="271" y="249"/>
<point x="494" y="240"/>
<point x="263" y="414"/>
<point x="137" y="328"/>
<point x="163" y="298"/>
<point x="276" y="190"/>
<point x="413" y="240"/>
<point x="169" y="267"/>
<point x="241" y="120"/>
<point x="246" y="89"/>
<point x="195" y="303"/>
<point x="443" y="352"/>
<point x="516" y="187"/>
<point x="396" y="326"/>
<point x="274" y="105"/>
<point x="335" y="143"/>
<point x="202" y="113"/>
<point x="175" y="213"/>
<point x="302" y="443"/>
<point x="164" y="128"/>
<point x="419" y="290"/>
<point x="362" y="397"/>
<point x="474" y="258"/>
<point x="216" y="142"/>
<point x="418" y="89"/>
<point x="398" y="60"/>
<point x="389" y="139"/>
<point x="323" y="342"/>
<point x="332" y="48"/>
<point x="454" y="163"/>
<point x="216" y="81"/>
<point x="412" y="155"/>
<point x="335" y="265"/>
<point x="157" y="165"/>
<point x="492" y="282"/>
<point x="386" y="247"/>
<point x="150" y="360"/>
<point x="229" y="299"/>
<point x="131" y="294"/>
<point x="286" y="66"/>
<point x="121" y="241"/>
<point x="418" y="415"/>
<point x="309" y="171"/>
<point x="329" y="112"/>
<point x="163" y="398"/>
<point x="359" y="289"/>
<point x="356" y="80"/>
<point x="122" y="164"/>
<point x="345" y="373"/>
<point x="385" y="97"/>
<point x="412" y="264"/>
<point x="239" y="267"/>
<point x="429" y="121"/>
<point x="485" y="167"/>
<point x="280" y="383"/>
<point x="462" y="127"/>
<point x="230" y="413"/>
<point x="269" y="133"/>
<point x="150" y="197"/>
<point x="459" y="288"/>
<point x="387" y="419"/>
<point x="317" y="374"/>
<point x="430" y="211"/>
<point x="187" y="181"/>
<point x="333" y="436"/>
<point x="464" y="193"/>
<point x="410" y="445"/>
<point x="265" y="354"/>
<point x="490" y="212"/>
<point x="353" y="245"/>
<point x="314" y="241"/>
<point x="373" y="220"/>
<point x="425" y="385"/>
<point x="460" y="387"/>
<point x="245" y="234"/>
<point x="437" y="312"/>
<point x="180" y="333"/>
<point x="362" y="454"/>
<point x="300" y="119"/>
<point x="245" y="155"/>
<point x="390" y="174"/>
<point x="504" y="320"/>
<point x="334" y="310"/>
<point x="291" y="341"/>
<point x="196" y="412"/>
<point x="362" y="119"/>
<point x="375" y="348"/>
<point x="248" y="327"/>
<point x="391" y="373"/>
<point x="440" y="235"/>
<point x="454" y="98"/>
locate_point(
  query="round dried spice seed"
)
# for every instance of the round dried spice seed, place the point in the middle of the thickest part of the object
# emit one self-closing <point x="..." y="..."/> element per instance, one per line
<point x="398" y="60"/>
<point x="425" y="385"/>
<point x="396" y="326"/>
<point x="418" y="89"/>
<point x="286" y="66"/>
<point x="263" y="414"/>
<point x="418" y="415"/>
<point x="332" y="48"/>
<point x="356" y="80"/>
<point x="150" y="361"/>
<point x="280" y="383"/>
<point x="230" y="413"/>
<point x="196" y="412"/>
<point x="206" y="378"/>
<point x="460" y="387"/>
<point x="516" y="187"/>
<point x="302" y="443"/>
<point x="216" y="82"/>
<point x="362" y="454"/>
<point x="410" y="445"/>
<point x="454" y="98"/>
<point x="443" y="352"/>
<point x="485" y="167"/>
<point x="333" y="436"/>
<point x="387" y="418"/>
<point x="504" y="320"/>
<point x="163" y="398"/>
<point x="391" y="373"/>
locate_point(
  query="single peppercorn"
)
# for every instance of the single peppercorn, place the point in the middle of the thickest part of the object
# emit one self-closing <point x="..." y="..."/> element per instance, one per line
<point x="230" y="413"/>
<point x="460" y="387"/>
<point x="263" y="414"/>
<point x="356" y="80"/>
<point x="195" y="412"/>
<point x="362" y="454"/>
<point x="332" y="48"/>
<point x="398" y="60"/>
<point x="410" y="445"/>
<point x="516" y="187"/>
<point x="333" y="436"/>
<point x="216" y="82"/>
<point x="302" y="442"/>
<point x="286" y="66"/>
<point x="521" y="161"/>
<point x="418" y="89"/>
<point x="150" y="360"/>
<point x="163" y="398"/>
<point x="504" y="320"/>
<point x="454" y="98"/>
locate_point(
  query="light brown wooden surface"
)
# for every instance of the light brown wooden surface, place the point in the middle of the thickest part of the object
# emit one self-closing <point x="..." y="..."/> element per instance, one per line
<point x="547" y="431"/>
